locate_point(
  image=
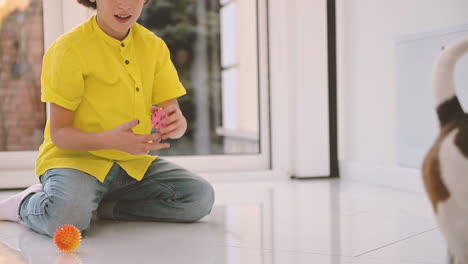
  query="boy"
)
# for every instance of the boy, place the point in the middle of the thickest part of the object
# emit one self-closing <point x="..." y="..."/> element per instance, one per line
<point x="102" y="80"/>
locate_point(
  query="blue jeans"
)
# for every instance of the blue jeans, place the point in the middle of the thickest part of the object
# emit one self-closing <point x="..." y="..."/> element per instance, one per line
<point x="167" y="193"/>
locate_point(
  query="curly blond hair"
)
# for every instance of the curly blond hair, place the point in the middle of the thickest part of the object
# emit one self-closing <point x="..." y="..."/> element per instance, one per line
<point x="92" y="5"/>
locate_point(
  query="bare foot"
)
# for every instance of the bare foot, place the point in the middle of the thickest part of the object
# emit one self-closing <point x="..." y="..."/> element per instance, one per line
<point x="9" y="207"/>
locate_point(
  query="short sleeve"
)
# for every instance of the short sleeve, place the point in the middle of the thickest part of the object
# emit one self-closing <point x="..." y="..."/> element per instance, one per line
<point x="166" y="81"/>
<point x="62" y="81"/>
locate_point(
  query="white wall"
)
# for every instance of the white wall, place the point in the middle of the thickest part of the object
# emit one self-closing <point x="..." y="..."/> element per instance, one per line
<point x="367" y="31"/>
<point x="309" y="107"/>
<point x="299" y="87"/>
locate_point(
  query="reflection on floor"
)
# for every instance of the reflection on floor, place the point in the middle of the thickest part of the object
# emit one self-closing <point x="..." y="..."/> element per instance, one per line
<point x="319" y="221"/>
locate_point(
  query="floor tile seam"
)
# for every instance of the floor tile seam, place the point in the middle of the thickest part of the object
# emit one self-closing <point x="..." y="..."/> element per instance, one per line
<point x="395" y="242"/>
<point x="341" y="255"/>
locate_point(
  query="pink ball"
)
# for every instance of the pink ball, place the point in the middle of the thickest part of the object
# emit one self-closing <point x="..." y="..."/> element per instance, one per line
<point x="157" y="118"/>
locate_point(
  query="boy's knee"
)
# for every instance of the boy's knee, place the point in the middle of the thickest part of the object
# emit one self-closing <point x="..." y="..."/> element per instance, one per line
<point x="62" y="213"/>
<point x="203" y="200"/>
<point x="81" y="222"/>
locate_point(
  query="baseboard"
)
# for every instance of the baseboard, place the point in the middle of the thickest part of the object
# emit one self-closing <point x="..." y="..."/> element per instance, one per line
<point x="260" y="175"/>
<point x="17" y="179"/>
<point x="384" y="175"/>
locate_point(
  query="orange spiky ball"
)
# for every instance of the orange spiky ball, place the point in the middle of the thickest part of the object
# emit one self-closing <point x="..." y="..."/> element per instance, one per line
<point x="67" y="238"/>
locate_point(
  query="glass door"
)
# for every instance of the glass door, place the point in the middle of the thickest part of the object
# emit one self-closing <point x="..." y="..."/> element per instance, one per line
<point x="216" y="48"/>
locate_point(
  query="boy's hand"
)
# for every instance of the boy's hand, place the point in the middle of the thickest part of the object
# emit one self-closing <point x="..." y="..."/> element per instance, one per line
<point x="174" y="122"/>
<point x="123" y="138"/>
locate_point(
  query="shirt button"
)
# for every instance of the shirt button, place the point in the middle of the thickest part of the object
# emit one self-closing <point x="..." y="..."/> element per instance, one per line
<point x="137" y="89"/>
<point x="122" y="44"/>
<point x="127" y="62"/>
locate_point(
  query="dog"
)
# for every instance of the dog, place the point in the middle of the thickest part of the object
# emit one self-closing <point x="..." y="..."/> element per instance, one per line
<point x="445" y="167"/>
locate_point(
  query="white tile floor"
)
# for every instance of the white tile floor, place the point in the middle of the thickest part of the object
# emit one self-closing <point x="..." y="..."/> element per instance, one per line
<point x="319" y="221"/>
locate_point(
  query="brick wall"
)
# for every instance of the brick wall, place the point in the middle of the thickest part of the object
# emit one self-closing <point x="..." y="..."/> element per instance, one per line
<point x="22" y="114"/>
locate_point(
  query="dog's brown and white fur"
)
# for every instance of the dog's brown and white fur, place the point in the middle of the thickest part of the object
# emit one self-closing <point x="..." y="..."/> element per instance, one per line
<point x="445" y="168"/>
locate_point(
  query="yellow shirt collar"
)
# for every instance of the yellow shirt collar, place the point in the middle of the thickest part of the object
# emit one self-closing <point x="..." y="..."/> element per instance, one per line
<point x="110" y="40"/>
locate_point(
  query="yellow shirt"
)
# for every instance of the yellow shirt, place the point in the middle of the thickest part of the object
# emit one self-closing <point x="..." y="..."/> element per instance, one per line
<point x="106" y="82"/>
